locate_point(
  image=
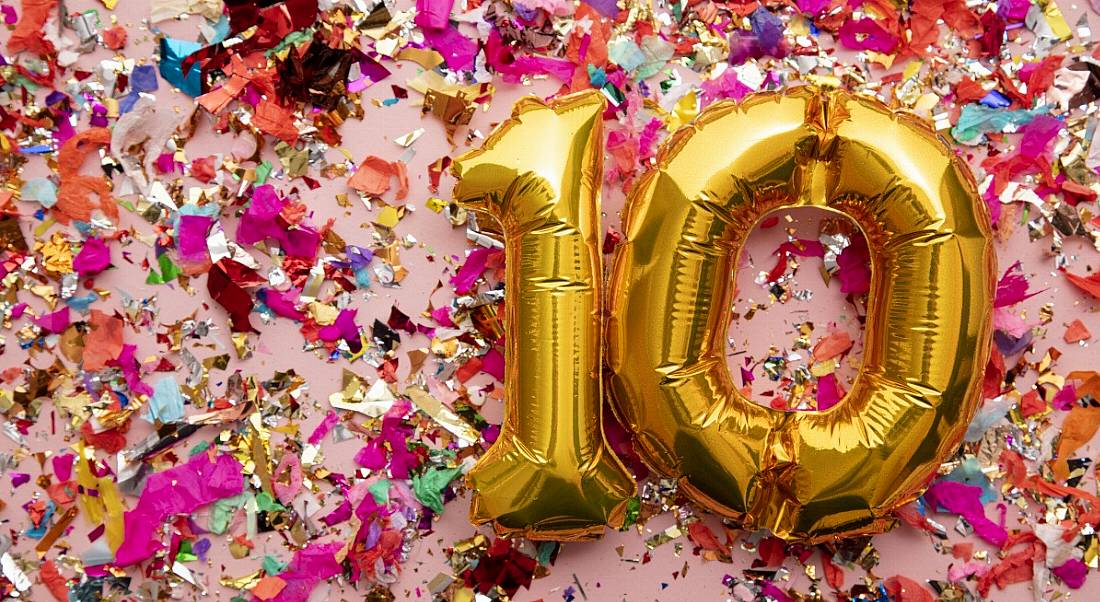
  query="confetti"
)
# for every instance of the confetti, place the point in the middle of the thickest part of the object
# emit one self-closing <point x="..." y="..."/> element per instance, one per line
<point x="251" y="348"/>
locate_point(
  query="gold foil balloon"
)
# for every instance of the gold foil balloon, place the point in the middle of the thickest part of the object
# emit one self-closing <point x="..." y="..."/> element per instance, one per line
<point x="550" y="474"/>
<point x="805" y="476"/>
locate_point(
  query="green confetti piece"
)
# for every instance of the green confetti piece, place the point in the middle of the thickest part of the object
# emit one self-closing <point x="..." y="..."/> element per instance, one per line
<point x="223" y="511"/>
<point x="546" y="551"/>
<point x="266" y="503"/>
<point x="199" y="448"/>
<point x="293" y="38"/>
<point x="168" y="271"/>
<point x="185" y="554"/>
<point x="380" y="490"/>
<point x="616" y="95"/>
<point x="975" y="120"/>
<point x="429" y="486"/>
<point x="633" y="511"/>
<point x="626" y="54"/>
<point x="273" y="566"/>
<point x="263" y="170"/>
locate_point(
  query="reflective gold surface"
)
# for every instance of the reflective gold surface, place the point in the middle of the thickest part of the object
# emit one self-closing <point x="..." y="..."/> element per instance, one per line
<point x="806" y="476"/>
<point x="550" y="475"/>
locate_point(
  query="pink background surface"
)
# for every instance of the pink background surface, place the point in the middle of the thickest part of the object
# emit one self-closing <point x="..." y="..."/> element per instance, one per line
<point x="597" y="567"/>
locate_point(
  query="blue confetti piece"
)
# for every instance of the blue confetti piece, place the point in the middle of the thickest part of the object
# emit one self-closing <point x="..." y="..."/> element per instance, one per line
<point x="40" y="531"/>
<point x="172" y="54"/>
<point x="996" y="100"/>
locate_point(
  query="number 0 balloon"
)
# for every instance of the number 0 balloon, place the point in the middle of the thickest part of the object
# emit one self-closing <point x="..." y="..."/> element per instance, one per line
<point x="804" y="476"/>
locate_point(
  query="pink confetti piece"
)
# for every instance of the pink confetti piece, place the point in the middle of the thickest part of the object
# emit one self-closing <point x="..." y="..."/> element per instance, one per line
<point x="192" y="238"/>
<point x="93" y="258"/>
<point x="1072" y="573"/>
<point x="291" y="464"/>
<point x="310" y="566"/>
<point x="493" y="363"/>
<point x="866" y="34"/>
<point x="476" y="262"/>
<point x="323" y="428"/>
<point x="54" y="322"/>
<point x="854" y="267"/>
<point x="828" y="392"/>
<point x="435" y="14"/>
<point x="1012" y="287"/>
<point x="965" y="501"/>
<point x="179" y="490"/>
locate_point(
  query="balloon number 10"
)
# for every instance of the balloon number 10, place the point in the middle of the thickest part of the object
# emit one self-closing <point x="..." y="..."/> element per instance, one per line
<point x="804" y="476"/>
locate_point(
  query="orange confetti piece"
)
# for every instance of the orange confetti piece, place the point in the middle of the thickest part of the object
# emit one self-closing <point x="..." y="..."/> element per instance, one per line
<point x="115" y="37"/>
<point x="28" y="33"/>
<point x="1016" y="567"/>
<point x="275" y="120"/>
<point x="832" y="345"/>
<point x="74" y="193"/>
<point x="1076" y="332"/>
<point x="1077" y="430"/>
<point x="962" y="550"/>
<point x="54" y="581"/>
<point x="1089" y="284"/>
<point x="1089" y="382"/>
<point x="268" y="587"/>
<point x="373" y="177"/>
<point x="104" y="342"/>
<point x="834" y="575"/>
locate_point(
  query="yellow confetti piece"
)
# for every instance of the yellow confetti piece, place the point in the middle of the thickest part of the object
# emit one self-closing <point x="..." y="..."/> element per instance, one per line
<point x="886" y="60"/>
<point x="428" y="59"/>
<point x="57" y="254"/>
<point x="435" y="204"/>
<point x="912" y="69"/>
<point x="798" y="26"/>
<point x="430" y="80"/>
<point x="1056" y="21"/>
<point x="241" y="346"/>
<point x="926" y="103"/>
<point x="823" y="368"/>
<point x="323" y="313"/>
<point x="347" y="154"/>
<point x="442" y="414"/>
<point x="685" y="110"/>
<point x="45" y="225"/>
<point x="105" y="508"/>
<point x="388" y="217"/>
<point x="362" y="349"/>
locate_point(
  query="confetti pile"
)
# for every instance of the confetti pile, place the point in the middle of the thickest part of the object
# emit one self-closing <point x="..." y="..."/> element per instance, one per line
<point x="249" y="348"/>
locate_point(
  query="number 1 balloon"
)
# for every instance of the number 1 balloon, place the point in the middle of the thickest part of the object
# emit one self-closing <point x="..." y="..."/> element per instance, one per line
<point x="804" y="476"/>
<point x="550" y="473"/>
